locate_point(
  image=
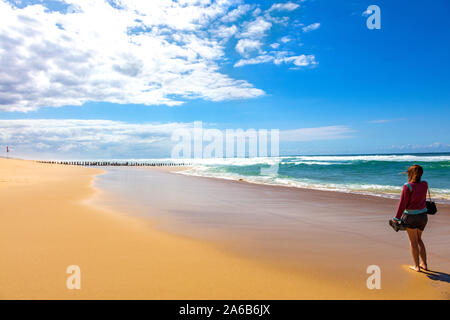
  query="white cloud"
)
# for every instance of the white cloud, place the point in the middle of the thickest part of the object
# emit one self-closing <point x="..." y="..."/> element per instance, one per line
<point x="299" y="61"/>
<point x="224" y="32"/>
<point x="381" y="121"/>
<point x="244" y="46"/>
<point x="311" y="27"/>
<point x="319" y="133"/>
<point x="277" y="20"/>
<point x="386" y="120"/>
<point x="86" y="138"/>
<point x="235" y="14"/>
<point x="131" y="51"/>
<point x="256" y="28"/>
<point x="143" y="52"/>
<point x="275" y="45"/>
<point x="288" y="6"/>
<point x="285" y="39"/>
<point x="102" y="139"/>
<point x="256" y="12"/>
<point x="279" y="58"/>
<point x="433" y="147"/>
<point x="256" y="60"/>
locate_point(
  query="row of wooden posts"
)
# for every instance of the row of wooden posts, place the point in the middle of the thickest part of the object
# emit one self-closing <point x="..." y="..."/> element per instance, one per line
<point x="117" y="163"/>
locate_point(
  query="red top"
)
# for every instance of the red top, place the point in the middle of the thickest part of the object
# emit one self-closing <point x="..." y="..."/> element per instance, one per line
<point x="413" y="200"/>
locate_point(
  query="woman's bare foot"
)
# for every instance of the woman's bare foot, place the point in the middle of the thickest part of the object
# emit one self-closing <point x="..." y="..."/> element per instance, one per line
<point x="424" y="267"/>
<point x="417" y="269"/>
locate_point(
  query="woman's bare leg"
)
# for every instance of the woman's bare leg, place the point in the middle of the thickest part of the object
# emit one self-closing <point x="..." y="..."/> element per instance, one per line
<point x="414" y="243"/>
<point x="422" y="251"/>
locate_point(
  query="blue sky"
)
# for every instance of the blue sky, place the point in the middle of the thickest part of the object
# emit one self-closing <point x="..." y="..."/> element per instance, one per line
<point x="387" y="90"/>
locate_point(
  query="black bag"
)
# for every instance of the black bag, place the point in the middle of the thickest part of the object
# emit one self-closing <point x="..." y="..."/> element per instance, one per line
<point x="431" y="206"/>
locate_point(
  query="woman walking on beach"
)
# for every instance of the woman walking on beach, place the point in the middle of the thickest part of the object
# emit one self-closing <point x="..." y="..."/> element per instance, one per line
<point x="412" y="209"/>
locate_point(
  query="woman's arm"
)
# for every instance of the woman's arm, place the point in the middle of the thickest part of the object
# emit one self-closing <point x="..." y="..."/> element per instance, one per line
<point x="406" y="194"/>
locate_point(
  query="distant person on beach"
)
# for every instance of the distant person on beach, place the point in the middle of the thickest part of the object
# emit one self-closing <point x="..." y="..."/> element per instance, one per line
<point x="412" y="209"/>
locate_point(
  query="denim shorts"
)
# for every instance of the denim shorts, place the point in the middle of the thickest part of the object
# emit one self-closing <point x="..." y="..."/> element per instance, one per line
<point x="415" y="221"/>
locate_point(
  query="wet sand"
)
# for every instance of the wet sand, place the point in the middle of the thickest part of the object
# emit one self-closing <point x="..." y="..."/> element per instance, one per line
<point x="190" y="242"/>
<point x="329" y="235"/>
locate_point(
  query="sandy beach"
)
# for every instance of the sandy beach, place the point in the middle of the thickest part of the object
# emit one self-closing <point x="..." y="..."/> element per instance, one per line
<point x="283" y="243"/>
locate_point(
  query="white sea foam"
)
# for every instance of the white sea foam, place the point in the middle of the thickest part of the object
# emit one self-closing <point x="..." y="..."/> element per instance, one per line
<point x="319" y="163"/>
<point x="319" y="160"/>
<point x="397" y="158"/>
<point x="387" y="191"/>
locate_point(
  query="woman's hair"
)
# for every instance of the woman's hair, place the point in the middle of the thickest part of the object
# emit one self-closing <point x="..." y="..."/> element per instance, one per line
<point x="415" y="173"/>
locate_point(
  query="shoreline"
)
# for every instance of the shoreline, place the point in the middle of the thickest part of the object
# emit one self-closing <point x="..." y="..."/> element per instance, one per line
<point x="370" y="194"/>
<point x="47" y="225"/>
<point x="443" y="202"/>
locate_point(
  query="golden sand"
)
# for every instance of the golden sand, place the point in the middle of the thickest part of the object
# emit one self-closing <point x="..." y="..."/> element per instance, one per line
<point x="45" y="226"/>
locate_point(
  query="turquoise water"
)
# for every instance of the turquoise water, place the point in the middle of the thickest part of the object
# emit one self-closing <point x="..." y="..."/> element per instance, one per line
<point x="366" y="174"/>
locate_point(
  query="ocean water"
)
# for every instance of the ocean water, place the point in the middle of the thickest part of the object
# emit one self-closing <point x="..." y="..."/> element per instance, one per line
<point x="381" y="175"/>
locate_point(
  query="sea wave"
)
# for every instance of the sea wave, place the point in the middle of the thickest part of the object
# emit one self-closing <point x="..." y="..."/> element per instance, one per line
<point x="387" y="191"/>
<point x="317" y="163"/>
<point x="389" y="158"/>
<point x="320" y="160"/>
